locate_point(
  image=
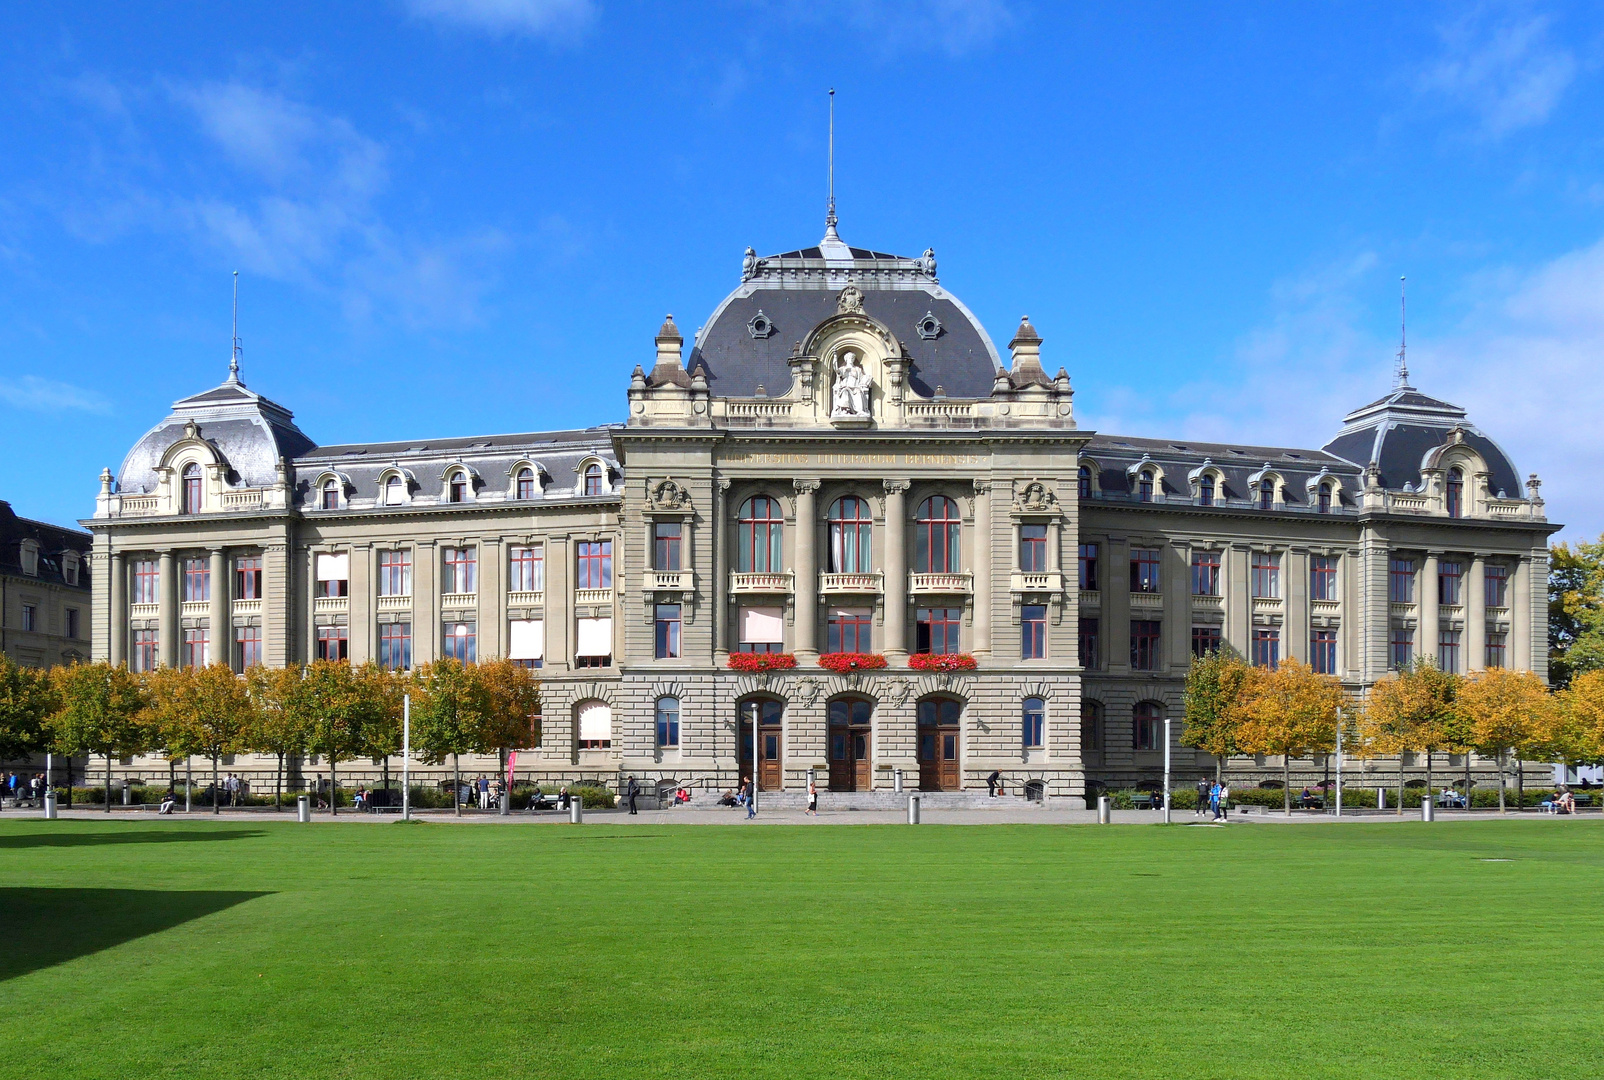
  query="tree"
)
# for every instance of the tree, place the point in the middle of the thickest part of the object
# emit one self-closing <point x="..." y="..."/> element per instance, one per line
<point x="204" y="711"/>
<point x="1410" y="710"/>
<point x="1573" y="730"/>
<point x="1504" y="710"/>
<point x="351" y="703"/>
<point x="26" y="701"/>
<point x="513" y="696"/>
<point x="1575" y="610"/>
<point x="99" y="710"/>
<point x="281" y="718"/>
<point x="1288" y="710"/>
<point x="450" y="709"/>
<point x="1213" y="686"/>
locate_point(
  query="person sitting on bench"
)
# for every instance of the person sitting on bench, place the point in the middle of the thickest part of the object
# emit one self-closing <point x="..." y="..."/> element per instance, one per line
<point x="168" y="801"/>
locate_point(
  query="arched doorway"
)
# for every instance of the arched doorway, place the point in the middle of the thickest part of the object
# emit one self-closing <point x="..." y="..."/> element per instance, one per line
<point x="851" y="739"/>
<point x="938" y="745"/>
<point x="769" y="716"/>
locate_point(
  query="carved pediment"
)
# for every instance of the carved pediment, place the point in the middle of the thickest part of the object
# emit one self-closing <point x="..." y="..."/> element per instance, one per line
<point x="667" y="495"/>
<point x="1035" y="497"/>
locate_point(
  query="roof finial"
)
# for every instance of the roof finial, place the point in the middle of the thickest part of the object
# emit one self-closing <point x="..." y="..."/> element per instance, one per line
<point x="1401" y="379"/>
<point x="829" y="213"/>
<point x="233" y="360"/>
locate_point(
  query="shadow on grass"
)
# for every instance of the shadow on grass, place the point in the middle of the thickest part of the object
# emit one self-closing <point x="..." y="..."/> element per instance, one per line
<point x="44" y="927"/>
<point x="142" y="836"/>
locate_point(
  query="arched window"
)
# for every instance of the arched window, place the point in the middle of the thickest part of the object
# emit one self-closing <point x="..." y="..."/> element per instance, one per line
<point x="593" y="478"/>
<point x="1325" y="498"/>
<point x="760" y="527"/>
<point x="1205" y="491"/>
<point x="850" y="530"/>
<point x="458" y="491"/>
<point x="1091" y="732"/>
<point x="1456" y="492"/>
<point x="937" y="536"/>
<point x="1033" y="723"/>
<point x="331" y="494"/>
<point x="1144" y="486"/>
<point x="1147" y="726"/>
<point x="526" y="483"/>
<point x="594" y="724"/>
<point x="1084" y="479"/>
<point x="668" y="723"/>
<point x="1266" y="494"/>
<point x="395" y="491"/>
<point x="192" y="488"/>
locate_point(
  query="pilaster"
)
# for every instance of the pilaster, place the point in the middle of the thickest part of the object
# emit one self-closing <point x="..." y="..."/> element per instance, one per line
<point x="1428" y="631"/>
<point x="167" y="610"/>
<point x="896" y="564"/>
<point x="111" y="614"/>
<point x="807" y="569"/>
<point x="219" y="623"/>
<point x="1476" y="614"/>
<point x="985" y="552"/>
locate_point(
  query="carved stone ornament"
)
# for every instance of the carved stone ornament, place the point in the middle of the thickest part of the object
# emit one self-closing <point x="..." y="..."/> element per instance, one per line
<point x="1036" y="498"/>
<point x="807" y="691"/>
<point x="850" y="302"/>
<point x="899" y="692"/>
<point x="668" y="496"/>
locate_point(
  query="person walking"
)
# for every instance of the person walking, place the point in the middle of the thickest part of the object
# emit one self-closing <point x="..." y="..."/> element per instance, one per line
<point x="1214" y="801"/>
<point x="631" y="793"/>
<point x="813" y="798"/>
<point x="1225" y="801"/>
<point x="751" y="800"/>
<point x="1202" y="797"/>
<point x="992" y="783"/>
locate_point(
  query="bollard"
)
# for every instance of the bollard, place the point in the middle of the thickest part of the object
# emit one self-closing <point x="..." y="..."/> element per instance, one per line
<point x="1428" y="812"/>
<point x="913" y="809"/>
<point x="1381" y="798"/>
<point x="506" y="803"/>
<point x="50" y="805"/>
<point x="576" y="811"/>
<point x="896" y="781"/>
<point x="1104" y="810"/>
<point x="128" y="794"/>
<point x="303" y="808"/>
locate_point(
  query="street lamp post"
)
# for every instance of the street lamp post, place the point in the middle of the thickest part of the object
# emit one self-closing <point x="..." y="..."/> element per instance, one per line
<point x="406" y="757"/>
<point x="1339" y="762"/>
<point x="1166" y="770"/>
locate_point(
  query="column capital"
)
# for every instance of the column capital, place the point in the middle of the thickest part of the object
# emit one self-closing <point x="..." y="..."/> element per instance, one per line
<point x="897" y="487"/>
<point x="806" y="487"/>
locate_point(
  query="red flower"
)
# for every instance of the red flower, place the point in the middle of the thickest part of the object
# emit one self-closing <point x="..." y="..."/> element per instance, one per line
<point x="843" y="662"/>
<point x="749" y="662"/>
<point x="941" y="662"/>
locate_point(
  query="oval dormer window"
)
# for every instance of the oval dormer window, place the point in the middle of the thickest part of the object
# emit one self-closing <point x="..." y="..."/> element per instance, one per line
<point x="593" y="479"/>
<point x="395" y="491"/>
<point x="192" y="488"/>
<point x="459" y="487"/>
<point x="331" y="494"/>
<point x="1456" y="492"/>
<point x="526" y="483"/>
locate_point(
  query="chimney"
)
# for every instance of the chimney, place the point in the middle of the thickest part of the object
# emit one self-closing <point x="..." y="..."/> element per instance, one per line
<point x="669" y="369"/>
<point x="1026" y="347"/>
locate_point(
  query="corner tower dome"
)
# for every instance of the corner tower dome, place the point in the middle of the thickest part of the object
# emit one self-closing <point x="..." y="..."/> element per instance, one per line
<point x="750" y="336"/>
<point x="1399" y="433"/>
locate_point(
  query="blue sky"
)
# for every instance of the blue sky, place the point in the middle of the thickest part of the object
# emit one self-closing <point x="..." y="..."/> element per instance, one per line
<point x="469" y="216"/>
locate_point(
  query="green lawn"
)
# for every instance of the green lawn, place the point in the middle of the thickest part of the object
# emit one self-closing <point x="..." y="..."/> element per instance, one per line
<point x="187" y="948"/>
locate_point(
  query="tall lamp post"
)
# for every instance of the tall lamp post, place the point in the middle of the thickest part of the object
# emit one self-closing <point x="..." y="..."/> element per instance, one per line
<point x="1166" y="770"/>
<point x="1340" y="719"/>
<point x="406" y="757"/>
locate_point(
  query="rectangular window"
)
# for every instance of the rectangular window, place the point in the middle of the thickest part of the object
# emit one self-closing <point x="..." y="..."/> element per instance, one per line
<point x="332" y="643"/>
<point x="936" y="630"/>
<point x="595" y="564"/>
<point x="1266" y="575"/>
<point x="395" y="646"/>
<point x="460" y="642"/>
<point x="1323" y="652"/>
<point x="30" y="618"/>
<point x="248" y="577"/>
<point x="1146" y="726"/>
<point x="1144" y="570"/>
<point x="1034" y="725"/>
<point x="1495" y="650"/>
<point x="1266" y="647"/>
<point x="1205" y="639"/>
<point x="147" y="572"/>
<point x="461" y="570"/>
<point x="1206" y="573"/>
<point x="1088" y="644"/>
<point x="395" y="573"/>
<point x="666" y="545"/>
<point x="668" y="723"/>
<point x="1033" y="549"/>
<point x="333" y="574"/>
<point x="528" y="570"/>
<point x="1402" y="649"/>
<point x="1448" y="651"/>
<point x="762" y="630"/>
<point x="526" y="642"/>
<point x="1088" y="567"/>
<point x="667" y="620"/>
<point x="197" y="580"/>
<point x="1323" y="577"/>
<point x="143" y="655"/>
<point x="196" y="649"/>
<point x="1497" y="584"/>
<point x="1145" y="648"/>
<point x="595" y="647"/>
<point x="69" y="627"/>
<point x="849" y="630"/>
<point x="1450" y="575"/>
<point x="247" y="647"/>
<point x="1033" y="632"/>
<point x="1401" y="581"/>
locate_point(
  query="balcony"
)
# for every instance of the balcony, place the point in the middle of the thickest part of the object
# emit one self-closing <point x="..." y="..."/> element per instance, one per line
<point x="195" y="609"/>
<point x="448" y="601"/>
<point x="242" y="500"/>
<point x="849" y="584"/>
<point x="1090" y="598"/>
<point x="537" y="598"/>
<point x="1202" y="602"/>
<point x="1147" y="601"/>
<point x="1050" y="581"/>
<point x="248" y="607"/>
<point x="1326" y="608"/>
<point x="394" y="603"/>
<point x="593" y="597"/>
<point x="927" y="584"/>
<point x="330" y="605"/>
<point x="669" y="580"/>
<point x="1267" y="605"/>
<point x="760" y="583"/>
<point x="143" y="611"/>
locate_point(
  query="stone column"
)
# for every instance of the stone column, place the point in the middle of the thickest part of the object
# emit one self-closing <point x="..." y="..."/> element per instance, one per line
<point x="1476" y="614"/>
<point x="279" y="606"/>
<point x="896" y="564"/>
<point x="492" y="603"/>
<point x="559" y="609"/>
<point x="1237" y="587"/>
<point x="1520" y="616"/>
<point x="1428" y="630"/>
<point x="807" y="569"/>
<point x="220" y="621"/>
<point x="309" y="629"/>
<point x="985" y="551"/>
<point x="360" y="618"/>
<point x="1295" y="587"/>
<point x="1176" y="581"/>
<point x="426" y="601"/>
<point x="167" y="610"/>
<point x="1117" y="605"/>
<point x="117" y="615"/>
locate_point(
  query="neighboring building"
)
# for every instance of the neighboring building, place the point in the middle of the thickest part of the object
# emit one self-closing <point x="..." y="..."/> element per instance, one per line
<point x="843" y="462"/>
<point x="45" y="594"/>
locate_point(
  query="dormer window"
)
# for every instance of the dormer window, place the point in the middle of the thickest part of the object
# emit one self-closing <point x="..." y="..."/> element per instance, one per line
<point x="192" y="489"/>
<point x="395" y="491"/>
<point x="1325" y="498"/>
<point x="1205" y="491"/>
<point x="30" y="558"/>
<point x="526" y="483"/>
<point x="1144" y="486"/>
<point x="458" y="489"/>
<point x="593" y="478"/>
<point x="1266" y="494"/>
<point x="69" y="568"/>
<point x="1084" y="478"/>
<point x="1456" y="493"/>
<point x="331" y="494"/>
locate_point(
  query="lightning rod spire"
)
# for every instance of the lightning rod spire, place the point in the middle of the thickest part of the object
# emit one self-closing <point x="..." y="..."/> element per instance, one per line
<point x="233" y="359"/>
<point x="1401" y="379"/>
<point x="829" y="214"/>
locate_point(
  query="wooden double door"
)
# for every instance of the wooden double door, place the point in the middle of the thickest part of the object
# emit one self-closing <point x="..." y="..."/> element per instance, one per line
<point x="768" y="715"/>
<point x="851" y="742"/>
<point x="938" y="745"/>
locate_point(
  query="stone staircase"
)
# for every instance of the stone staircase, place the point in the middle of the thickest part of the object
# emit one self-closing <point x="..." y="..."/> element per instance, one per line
<point x="837" y="801"/>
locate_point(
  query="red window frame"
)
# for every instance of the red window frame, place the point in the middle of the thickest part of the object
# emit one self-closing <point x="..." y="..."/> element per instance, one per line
<point x="666" y="543"/>
<point x="331" y="495"/>
<point x="526" y="484"/>
<point x="395" y="646"/>
<point x="1450" y="583"/>
<point x="147" y="581"/>
<point x="938" y="536"/>
<point x="1205" y="573"/>
<point x="593" y="479"/>
<point x="1325" y="498"/>
<point x="594" y="561"/>
<point x="1088" y="567"/>
<point x="248" y="577"/>
<point x="197" y="580"/>
<point x="1144" y="486"/>
<point x="395" y="572"/>
<point x="192" y="488"/>
<point x="1455" y="495"/>
<point x="849" y="631"/>
<point x="1147" y="726"/>
<point x="1205" y="491"/>
<point x="761" y="523"/>
<point x="1033" y="632"/>
<point x="1205" y="639"/>
<point x="1497" y="650"/>
<point x="667" y="618"/>
<point x="1323" y="577"/>
<point x="528" y="565"/>
<point x="1266" y="648"/>
<point x="1033" y="549"/>
<point x="1266" y="495"/>
<point x="142" y="656"/>
<point x="1495" y="584"/>
<point x="196" y="648"/>
<point x="461" y="565"/>
<point x="1401" y="581"/>
<point x="1401" y="648"/>
<point x="851" y="533"/>
<point x="1083" y="478"/>
<point x="1323" y="652"/>
<point x="248" y="644"/>
<point x="1147" y="636"/>
<point x="1145" y="570"/>
<point x="1448" y="649"/>
<point x="1087" y="644"/>
<point x="936" y="630"/>
<point x="460" y="642"/>
<point x="333" y="643"/>
<point x="1266" y="575"/>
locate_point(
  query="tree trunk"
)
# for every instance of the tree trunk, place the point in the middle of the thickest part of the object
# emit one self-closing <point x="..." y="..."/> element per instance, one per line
<point x="334" y="788"/>
<point x="108" y="782"/>
<point x="69" y="781"/>
<point x="456" y="783"/>
<point x="189" y="782"/>
<point x="278" y="784"/>
<point x="1502" y="809"/>
<point x="1520" y="784"/>
<point x="216" y="786"/>
<point x="1286" y="784"/>
<point x="172" y="774"/>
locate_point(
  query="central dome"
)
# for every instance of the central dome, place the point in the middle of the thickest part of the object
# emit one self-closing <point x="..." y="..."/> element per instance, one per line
<point x="748" y="340"/>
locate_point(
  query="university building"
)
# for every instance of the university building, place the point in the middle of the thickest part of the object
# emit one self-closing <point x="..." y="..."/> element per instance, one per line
<point x="841" y="461"/>
<point x="45" y="595"/>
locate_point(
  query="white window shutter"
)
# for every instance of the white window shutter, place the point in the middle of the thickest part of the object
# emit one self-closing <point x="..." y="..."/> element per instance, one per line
<point x="595" y="637"/>
<point x="762" y="625"/>
<point x="596" y="721"/>
<point x="528" y="640"/>
<point x="334" y="567"/>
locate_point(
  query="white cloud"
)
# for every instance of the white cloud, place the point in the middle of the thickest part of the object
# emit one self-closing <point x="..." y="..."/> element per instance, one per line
<point x="534" y="18"/>
<point x="45" y="395"/>
<point x="1506" y="71"/>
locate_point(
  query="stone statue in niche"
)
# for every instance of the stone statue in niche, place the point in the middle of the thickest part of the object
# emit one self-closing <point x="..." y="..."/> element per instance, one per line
<point x="850" y="394"/>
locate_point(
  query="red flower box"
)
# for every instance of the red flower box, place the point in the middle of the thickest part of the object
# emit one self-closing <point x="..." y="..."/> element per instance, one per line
<point x="843" y="663"/>
<point x="941" y="662"/>
<point x="774" y="661"/>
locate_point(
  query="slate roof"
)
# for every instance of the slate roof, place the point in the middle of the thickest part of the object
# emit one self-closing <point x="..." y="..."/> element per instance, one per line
<point x="52" y="539"/>
<point x="1399" y="430"/>
<point x="1114" y="454"/>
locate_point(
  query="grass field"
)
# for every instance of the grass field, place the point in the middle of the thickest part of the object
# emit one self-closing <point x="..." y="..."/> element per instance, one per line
<point x="182" y="948"/>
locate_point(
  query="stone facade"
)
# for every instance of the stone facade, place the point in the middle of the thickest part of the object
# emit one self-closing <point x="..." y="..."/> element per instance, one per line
<point x="45" y="594"/>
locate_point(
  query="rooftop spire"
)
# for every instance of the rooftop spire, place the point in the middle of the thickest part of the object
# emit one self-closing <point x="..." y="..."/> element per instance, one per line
<point x="233" y="359"/>
<point x="1400" y="380"/>
<point x="829" y="211"/>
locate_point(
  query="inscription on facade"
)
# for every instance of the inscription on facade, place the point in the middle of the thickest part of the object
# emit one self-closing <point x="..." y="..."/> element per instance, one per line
<point x="760" y="457"/>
